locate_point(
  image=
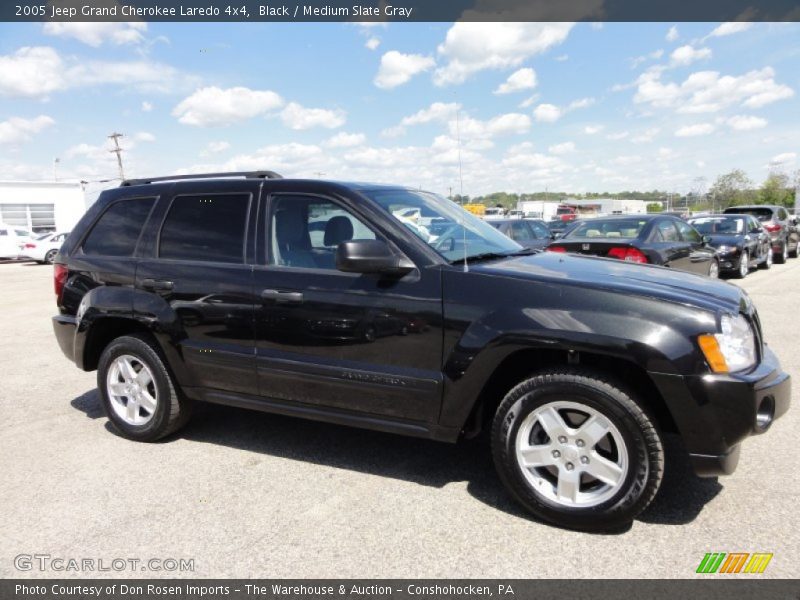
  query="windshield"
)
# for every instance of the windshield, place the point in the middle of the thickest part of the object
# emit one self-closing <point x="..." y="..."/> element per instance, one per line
<point x="724" y="225"/>
<point x="611" y="228"/>
<point x="443" y="225"/>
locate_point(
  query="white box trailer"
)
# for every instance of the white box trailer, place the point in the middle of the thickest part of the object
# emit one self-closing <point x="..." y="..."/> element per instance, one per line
<point x="41" y="206"/>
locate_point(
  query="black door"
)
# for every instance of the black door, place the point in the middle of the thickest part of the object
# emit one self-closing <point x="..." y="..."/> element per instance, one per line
<point x="198" y="284"/>
<point x="700" y="255"/>
<point x="673" y="251"/>
<point x="342" y="341"/>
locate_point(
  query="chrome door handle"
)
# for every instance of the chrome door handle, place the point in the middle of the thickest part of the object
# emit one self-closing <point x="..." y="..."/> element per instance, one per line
<point x="281" y="296"/>
<point x="157" y="284"/>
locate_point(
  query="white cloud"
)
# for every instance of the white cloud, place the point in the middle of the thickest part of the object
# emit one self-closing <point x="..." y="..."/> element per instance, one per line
<point x="686" y="55"/>
<point x="783" y="159"/>
<point x="695" y="130"/>
<point x="299" y="117"/>
<point x="213" y="106"/>
<point x="707" y="91"/>
<point x="95" y="34"/>
<point x="730" y="28"/>
<point x="563" y="148"/>
<point x="372" y="43"/>
<point x="146" y="106"/>
<point x="672" y="34"/>
<point x="617" y="136"/>
<point x="144" y="136"/>
<point x="529" y="101"/>
<point x="215" y="148"/>
<point x="506" y="124"/>
<point x="438" y="111"/>
<point x="524" y="79"/>
<point x="39" y="71"/>
<point x="746" y="122"/>
<point x="17" y="130"/>
<point x="547" y="113"/>
<point x="646" y="136"/>
<point x="655" y="55"/>
<point x="562" y="58"/>
<point x="398" y="68"/>
<point x="345" y="140"/>
<point x="470" y="47"/>
<point x="32" y="71"/>
<point x="593" y="129"/>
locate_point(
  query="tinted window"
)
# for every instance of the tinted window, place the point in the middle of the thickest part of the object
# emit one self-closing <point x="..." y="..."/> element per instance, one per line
<point x="755" y="227"/>
<point x="540" y="230"/>
<point x="306" y="231"/>
<point x="520" y="232"/>
<point x="688" y="232"/>
<point x="782" y="214"/>
<point x="719" y="225"/>
<point x="208" y="228"/>
<point x="666" y="232"/>
<point x="611" y="228"/>
<point x="117" y="231"/>
<point x="762" y="214"/>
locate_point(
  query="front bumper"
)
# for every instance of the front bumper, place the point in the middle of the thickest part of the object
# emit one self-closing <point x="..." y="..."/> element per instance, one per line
<point x="64" y="327"/>
<point x="714" y="413"/>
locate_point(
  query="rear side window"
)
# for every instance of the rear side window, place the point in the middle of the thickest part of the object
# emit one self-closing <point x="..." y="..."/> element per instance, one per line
<point x="207" y="228"/>
<point x="688" y="233"/>
<point x="666" y="232"/>
<point x="118" y="229"/>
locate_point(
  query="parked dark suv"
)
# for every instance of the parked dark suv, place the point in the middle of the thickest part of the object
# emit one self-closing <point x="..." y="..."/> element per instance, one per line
<point x="315" y="299"/>
<point x="781" y="226"/>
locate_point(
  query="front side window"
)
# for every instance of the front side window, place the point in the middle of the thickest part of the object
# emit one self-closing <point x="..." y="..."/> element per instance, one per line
<point x="451" y="231"/>
<point x="539" y="230"/>
<point x="307" y="230"/>
<point x="118" y="229"/>
<point x="207" y="228"/>
<point x="688" y="233"/>
<point x="666" y="232"/>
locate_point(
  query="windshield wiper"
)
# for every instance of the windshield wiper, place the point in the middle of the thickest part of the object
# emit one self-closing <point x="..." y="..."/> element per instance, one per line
<point x="480" y="257"/>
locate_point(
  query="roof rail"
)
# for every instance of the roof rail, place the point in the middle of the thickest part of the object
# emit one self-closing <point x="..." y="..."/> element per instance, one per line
<point x="246" y="174"/>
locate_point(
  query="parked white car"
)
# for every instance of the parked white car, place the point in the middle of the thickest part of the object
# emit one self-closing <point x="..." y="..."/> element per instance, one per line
<point x="12" y="239"/>
<point x="44" y="248"/>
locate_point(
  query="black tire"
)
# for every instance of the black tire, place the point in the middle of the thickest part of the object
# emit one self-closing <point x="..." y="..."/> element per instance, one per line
<point x="645" y="454"/>
<point x="793" y="253"/>
<point x="172" y="409"/>
<point x="743" y="270"/>
<point x="50" y="257"/>
<point x="780" y="257"/>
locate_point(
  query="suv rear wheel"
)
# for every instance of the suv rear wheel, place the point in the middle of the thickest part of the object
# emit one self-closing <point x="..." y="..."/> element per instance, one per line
<point x="781" y="256"/>
<point x="577" y="450"/>
<point x="138" y="393"/>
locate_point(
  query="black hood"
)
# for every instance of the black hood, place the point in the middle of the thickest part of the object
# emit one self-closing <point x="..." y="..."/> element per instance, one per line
<point x="720" y="239"/>
<point x="626" y="278"/>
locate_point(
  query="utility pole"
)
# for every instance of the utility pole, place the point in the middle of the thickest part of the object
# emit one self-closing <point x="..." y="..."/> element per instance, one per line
<point x="319" y="174"/>
<point x="55" y="165"/>
<point x="118" y="151"/>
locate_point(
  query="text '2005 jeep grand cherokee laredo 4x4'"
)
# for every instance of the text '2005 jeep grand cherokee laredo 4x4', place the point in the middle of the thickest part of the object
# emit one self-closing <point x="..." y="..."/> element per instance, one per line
<point x="393" y="309"/>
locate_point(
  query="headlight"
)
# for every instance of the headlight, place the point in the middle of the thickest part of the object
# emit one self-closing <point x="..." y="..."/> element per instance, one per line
<point x="734" y="349"/>
<point x="726" y="249"/>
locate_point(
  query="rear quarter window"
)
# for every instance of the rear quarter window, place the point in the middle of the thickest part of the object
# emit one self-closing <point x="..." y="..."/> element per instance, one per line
<point x="117" y="230"/>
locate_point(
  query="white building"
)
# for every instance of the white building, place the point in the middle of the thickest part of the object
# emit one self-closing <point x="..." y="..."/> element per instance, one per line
<point x="41" y="206"/>
<point x="607" y="206"/>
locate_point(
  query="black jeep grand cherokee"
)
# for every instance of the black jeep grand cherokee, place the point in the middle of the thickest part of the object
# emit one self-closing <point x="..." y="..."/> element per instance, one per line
<point x="338" y="302"/>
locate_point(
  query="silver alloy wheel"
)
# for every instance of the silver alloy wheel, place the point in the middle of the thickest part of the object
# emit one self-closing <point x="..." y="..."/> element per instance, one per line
<point x="50" y="256"/>
<point x="132" y="390"/>
<point x="577" y="462"/>
<point x="744" y="264"/>
<point x="713" y="270"/>
<point x="785" y="252"/>
<point x="770" y="258"/>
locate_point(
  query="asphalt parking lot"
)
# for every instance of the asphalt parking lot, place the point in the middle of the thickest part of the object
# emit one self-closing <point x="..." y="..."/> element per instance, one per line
<point x="254" y="495"/>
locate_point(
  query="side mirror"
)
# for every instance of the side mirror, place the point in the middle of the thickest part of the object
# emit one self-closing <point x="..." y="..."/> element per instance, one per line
<point x="370" y="256"/>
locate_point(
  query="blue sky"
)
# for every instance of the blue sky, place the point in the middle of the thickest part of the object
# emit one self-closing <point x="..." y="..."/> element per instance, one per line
<point x="566" y="107"/>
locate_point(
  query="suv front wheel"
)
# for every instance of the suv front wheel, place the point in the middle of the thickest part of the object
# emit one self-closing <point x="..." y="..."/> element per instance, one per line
<point x="137" y="390"/>
<point x="577" y="450"/>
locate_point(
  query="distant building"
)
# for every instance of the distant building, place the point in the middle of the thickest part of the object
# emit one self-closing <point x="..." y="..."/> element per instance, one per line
<point x="41" y="206"/>
<point x="607" y="206"/>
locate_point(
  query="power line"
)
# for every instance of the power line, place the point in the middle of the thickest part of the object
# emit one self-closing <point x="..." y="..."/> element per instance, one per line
<point x="118" y="151"/>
